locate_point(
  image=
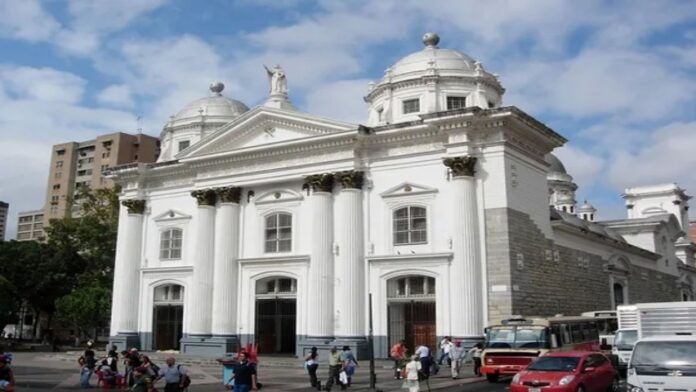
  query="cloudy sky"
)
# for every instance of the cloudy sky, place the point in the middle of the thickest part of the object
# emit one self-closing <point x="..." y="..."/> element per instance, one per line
<point x="617" y="78"/>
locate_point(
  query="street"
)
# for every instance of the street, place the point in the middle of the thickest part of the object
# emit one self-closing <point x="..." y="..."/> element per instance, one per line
<point x="35" y="372"/>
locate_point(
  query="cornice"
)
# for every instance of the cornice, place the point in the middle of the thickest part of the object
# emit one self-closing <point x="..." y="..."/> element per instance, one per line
<point x="276" y="259"/>
<point x="425" y="79"/>
<point x="410" y="257"/>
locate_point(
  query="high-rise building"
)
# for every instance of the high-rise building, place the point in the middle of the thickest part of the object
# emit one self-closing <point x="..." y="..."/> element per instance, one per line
<point x="76" y="164"/>
<point x="30" y="226"/>
<point x="3" y="219"/>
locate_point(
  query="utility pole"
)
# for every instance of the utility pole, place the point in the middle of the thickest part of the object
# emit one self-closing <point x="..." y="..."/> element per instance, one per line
<point x="370" y="347"/>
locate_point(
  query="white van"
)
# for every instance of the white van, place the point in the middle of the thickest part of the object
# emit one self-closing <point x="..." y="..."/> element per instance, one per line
<point x="663" y="363"/>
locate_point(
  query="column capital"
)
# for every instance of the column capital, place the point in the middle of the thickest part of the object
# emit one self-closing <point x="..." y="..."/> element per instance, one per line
<point x="461" y="166"/>
<point x="205" y="197"/>
<point x="229" y="194"/>
<point x="319" y="182"/>
<point x="350" y="179"/>
<point x="135" y="206"/>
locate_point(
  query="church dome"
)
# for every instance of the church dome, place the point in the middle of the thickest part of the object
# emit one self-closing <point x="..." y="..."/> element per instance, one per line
<point x="433" y="58"/>
<point x="431" y="80"/>
<point x="555" y="164"/>
<point x="214" y="107"/>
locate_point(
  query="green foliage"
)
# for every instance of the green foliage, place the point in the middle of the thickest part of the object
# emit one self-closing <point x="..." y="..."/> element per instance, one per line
<point x="84" y="308"/>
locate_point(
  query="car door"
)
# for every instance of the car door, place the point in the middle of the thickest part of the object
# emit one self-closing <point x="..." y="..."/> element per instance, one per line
<point x="606" y="372"/>
<point x="589" y="379"/>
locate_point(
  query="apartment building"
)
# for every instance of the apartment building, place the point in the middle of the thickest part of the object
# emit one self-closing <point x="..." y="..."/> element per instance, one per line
<point x="76" y="164"/>
<point x="4" y="207"/>
<point x="30" y="226"/>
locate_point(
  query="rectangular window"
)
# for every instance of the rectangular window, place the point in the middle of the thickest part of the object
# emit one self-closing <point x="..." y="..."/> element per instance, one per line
<point x="170" y="244"/>
<point x="58" y="175"/>
<point x="59" y="163"/>
<point x="60" y="152"/>
<point x="184" y="144"/>
<point x="411" y="106"/>
<point x="57" y="186"/>
<point x="25" y="227"/>
<point x="456" y="103"/>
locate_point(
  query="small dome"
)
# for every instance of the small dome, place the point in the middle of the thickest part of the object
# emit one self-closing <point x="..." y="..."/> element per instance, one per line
<point x="586" y="207"/>
<point x="555" y="164"/>
<point x="214" y="107"/>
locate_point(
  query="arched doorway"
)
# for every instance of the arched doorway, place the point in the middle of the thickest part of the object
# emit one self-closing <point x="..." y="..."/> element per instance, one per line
<point x="411" y="310"/>
<point x="168" y="316"/>
<point x="276" y="313"/>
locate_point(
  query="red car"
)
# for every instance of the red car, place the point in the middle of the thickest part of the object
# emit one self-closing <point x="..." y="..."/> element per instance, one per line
<point x="569" y="371"/>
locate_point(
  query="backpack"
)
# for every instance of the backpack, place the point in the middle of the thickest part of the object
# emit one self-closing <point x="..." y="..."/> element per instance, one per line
<point x="185" y="380"/>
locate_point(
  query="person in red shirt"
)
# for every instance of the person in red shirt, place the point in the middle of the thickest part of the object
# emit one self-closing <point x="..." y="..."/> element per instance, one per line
<point x="398" y="355"/>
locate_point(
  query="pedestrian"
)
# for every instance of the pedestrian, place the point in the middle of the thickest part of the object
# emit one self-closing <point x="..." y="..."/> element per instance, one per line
<point x="175" y="376"/>
<point x="457" y="354"/>
<point x="106" y="374"/>
<point x="141" y="380"/>
<point x="244" y="374"/>
<point x="312" y="364"/>
<point x="412" y="370"/>
<point x="88" y="363"/>
<point x="423" y="353"/>
<point x="112" y="359"/>
<point x="349" y="363"/>
<point x="7" y="381"/>
<point x="152" y="369"/>
<point x="445" y="346"/>
<point x="475" y="355"/>
<point x="335" y="367"/>
<point x="398" y="355"/>
<point x="133" y="358"/>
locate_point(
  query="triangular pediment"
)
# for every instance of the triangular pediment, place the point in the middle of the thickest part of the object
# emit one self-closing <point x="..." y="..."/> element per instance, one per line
<point x="263" y="126"/>
<point x="171" y="215"/>
<point x="408" y="189"/>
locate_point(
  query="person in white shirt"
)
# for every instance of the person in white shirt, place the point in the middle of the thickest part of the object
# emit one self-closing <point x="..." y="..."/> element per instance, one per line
<point x="445" y="347"/>
<point x="457" y="354"/>
<point x="412" y="368"/>
<point x="423" y="353"/>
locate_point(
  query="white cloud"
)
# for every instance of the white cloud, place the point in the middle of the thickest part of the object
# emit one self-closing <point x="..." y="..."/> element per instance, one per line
<point x="667" y="156"/>
<point x="26" y="20"/>
<point x="117" y="95"/>
<point x="42" y="84"/>
<point x="340" y="100"/>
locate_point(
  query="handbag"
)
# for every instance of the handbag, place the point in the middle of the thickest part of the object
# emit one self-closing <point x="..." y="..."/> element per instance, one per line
<point x="343" y="377"/>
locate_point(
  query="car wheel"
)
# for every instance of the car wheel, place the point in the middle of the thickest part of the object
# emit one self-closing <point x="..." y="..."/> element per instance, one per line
<point x="492" y="377"/>
<point x="614" y="387"/>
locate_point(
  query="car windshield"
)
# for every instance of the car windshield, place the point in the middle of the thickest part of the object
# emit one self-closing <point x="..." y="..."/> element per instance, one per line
<point x="625" y="340"/>
<point x="517" y="337"/>
<point x="669" y="355"/>
<point x="554" y="364"/>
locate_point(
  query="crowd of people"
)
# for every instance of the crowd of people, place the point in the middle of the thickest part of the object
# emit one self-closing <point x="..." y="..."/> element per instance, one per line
<point x="341" y="366"/>
<point x="421" y="364"/>
<point x="139" y="372"/>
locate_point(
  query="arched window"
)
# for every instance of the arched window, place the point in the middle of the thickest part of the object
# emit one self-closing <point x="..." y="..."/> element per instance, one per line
<point x="169" y="293"/>
<point x="410" y="226"/>
<point x="170" y="244"/>
<point x="618" y="294"/>
<point x="278" y="233"/>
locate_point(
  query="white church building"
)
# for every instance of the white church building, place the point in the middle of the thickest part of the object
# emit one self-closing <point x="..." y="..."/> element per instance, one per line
<point x="271" y="226"/>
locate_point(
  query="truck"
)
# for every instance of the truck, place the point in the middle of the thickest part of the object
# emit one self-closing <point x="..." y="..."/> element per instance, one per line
<point x="664" y="356"/>
<point x="626" y="336"/>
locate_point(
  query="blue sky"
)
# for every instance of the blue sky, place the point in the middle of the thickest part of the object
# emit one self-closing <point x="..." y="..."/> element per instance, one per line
<point x="617" y="78"/>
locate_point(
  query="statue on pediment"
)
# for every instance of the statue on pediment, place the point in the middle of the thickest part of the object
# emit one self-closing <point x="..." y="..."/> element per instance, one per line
<point x="278" y="84"/>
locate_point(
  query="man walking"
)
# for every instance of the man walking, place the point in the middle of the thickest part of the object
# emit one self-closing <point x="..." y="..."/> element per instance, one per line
<point x="174" y="376"/>
<point x="398" y="355"/>
<point x="445" y="347"/>
<point x="244" y="374"/>
<point x="423" y="353"/>
<point x="335" y="366"/>
<point x="457" y="354"/>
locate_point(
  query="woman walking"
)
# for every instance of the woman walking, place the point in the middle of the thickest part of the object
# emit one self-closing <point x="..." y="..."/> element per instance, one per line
<point x="311" y="364"/>
<point x="412" y="370"/>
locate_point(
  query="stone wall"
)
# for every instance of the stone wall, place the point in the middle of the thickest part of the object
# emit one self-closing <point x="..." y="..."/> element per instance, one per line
<point x="529" y="275"/>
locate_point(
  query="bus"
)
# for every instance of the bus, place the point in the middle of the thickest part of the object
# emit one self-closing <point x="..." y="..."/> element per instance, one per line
<point x="512" y="343"/>
<point x="607" y="324"/>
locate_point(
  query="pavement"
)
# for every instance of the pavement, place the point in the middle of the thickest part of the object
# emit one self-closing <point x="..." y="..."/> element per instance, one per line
<point x="51" y="372"/>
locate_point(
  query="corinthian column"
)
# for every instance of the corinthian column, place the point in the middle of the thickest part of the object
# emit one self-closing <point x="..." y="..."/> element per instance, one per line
<point x="349" y="290"/>
<point x="465" y="284"/>
<point x="200" y="304"/>
<point x="225" y="269"/>
<point x="127" y="275"/>
<point x="321" y="276"/>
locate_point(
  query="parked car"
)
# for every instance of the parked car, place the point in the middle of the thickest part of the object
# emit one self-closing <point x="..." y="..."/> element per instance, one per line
<point x="569" y="371"/>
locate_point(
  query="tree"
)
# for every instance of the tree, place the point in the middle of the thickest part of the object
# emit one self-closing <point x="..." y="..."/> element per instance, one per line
<point x="85" y="309"/>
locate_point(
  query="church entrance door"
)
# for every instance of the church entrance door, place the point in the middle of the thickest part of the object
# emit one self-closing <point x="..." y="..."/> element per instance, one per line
<point x="411" y="311"/>
<point x="168" y="317"/>
<point x="276" y="313"/>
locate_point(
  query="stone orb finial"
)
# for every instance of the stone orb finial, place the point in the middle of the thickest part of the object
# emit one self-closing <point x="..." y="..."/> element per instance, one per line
<point x="217" y="87"/>
<point x="431" y="39"/>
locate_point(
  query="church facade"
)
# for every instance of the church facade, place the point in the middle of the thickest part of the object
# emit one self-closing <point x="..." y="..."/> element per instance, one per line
<point x="275" y="227"/>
